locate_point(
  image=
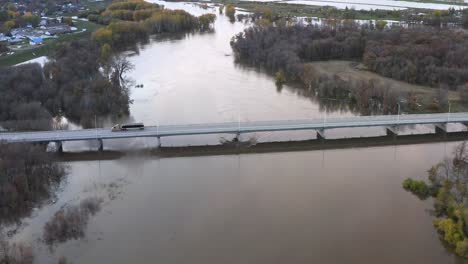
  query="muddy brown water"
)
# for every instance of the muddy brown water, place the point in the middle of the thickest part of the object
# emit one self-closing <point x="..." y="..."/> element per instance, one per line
<point x="320" y="206"/>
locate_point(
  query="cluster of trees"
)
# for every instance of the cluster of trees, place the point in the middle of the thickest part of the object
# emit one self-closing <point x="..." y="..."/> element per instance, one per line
<point x="28" y="175"/>
<point x="420" y="55"/>
<point x="10" y="19"/>
<point x="287" y="47"/>
<point x="133" y="21"/>
<point x="131" y="10"/>
<point x="417" y="187"/>
<point x="70" y="222"/>
<point x="230" y="11"/>
<point x="15" y="253"/>
<point x="83" y="91"/>
<point x="3" y="47"/>
<point x="26" y="98"/>
<point x="70" y="84"/>
<point x="363" y="96"/>
<point x="448" y="184"/>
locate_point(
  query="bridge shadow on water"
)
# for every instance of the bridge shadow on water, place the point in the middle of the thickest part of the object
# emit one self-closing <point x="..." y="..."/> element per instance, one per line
<point x="232" y="148"/>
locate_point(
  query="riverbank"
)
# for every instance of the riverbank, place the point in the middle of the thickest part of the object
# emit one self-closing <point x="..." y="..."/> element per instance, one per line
<point x="356" y="72"/>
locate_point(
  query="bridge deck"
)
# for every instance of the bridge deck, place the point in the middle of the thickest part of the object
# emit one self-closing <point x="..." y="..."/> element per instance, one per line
<point x="234" y="127"/>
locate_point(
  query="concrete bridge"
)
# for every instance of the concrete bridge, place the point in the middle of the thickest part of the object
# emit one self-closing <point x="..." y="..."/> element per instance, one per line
<point x="390" y="122"/>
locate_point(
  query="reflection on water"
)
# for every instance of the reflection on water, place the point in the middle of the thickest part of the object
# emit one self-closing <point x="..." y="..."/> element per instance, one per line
<point x="333" y="206"/>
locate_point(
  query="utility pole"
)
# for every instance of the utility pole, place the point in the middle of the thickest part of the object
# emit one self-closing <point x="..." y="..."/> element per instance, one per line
<point x="238" y="123"/>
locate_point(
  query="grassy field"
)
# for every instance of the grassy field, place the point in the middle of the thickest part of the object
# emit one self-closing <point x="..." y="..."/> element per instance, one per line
<point x="49" y="44"/>
<point x="29" y="54"/>
<point x="354" y="71"/>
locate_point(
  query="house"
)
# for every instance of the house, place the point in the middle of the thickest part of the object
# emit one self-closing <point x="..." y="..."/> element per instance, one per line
<point x="57" y="29"/>
<point x="35" y="41"/>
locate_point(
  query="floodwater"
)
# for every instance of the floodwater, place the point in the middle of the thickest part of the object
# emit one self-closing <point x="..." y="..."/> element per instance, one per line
<point x="371" y="4"/>
<point x="332" y="206"/>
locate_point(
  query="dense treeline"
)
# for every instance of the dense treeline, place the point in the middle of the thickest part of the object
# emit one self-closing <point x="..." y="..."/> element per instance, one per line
<point x="70" y="84"/>
<point x="420" y="55"/>
<point x="26" y="98"/>
<point x="287" y="47"/>
<point x="82" y="89"/>
<point x="27" y="177"/>
<point x="130" y="22"/>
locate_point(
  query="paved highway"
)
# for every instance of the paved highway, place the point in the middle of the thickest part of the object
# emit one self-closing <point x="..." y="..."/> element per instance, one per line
<point x="235" y="128"/>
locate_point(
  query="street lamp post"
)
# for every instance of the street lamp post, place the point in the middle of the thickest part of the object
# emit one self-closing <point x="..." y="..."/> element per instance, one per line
<point x="95" y="125"/>
<point x="448" y="114"/>
<point x="324" y="118"/>
<point x="398" y="115"/>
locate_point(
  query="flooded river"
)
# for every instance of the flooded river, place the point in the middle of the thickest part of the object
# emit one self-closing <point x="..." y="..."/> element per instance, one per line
<point x="333" y="206"/>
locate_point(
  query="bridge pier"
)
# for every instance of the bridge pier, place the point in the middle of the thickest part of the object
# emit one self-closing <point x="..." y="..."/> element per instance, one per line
<point x="159" y="142"/>
<point x="441" y="129"/>
<point x="236" y="138"/>
<point x="59" y="146"/>
<point x="101" y="145"/>
<point x="321" y="134"/>
<point x="392" y="131"/>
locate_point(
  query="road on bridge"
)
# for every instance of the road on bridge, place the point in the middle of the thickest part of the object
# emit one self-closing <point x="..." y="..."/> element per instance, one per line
<point x="235" y="127"/>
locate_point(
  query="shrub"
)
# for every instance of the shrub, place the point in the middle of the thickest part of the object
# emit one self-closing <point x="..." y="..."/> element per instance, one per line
<point x="70" y="223"/>
<point x="419" y="188"/>
<point x="230" y="11"/>
<point x="462" y="248"/>
<point x="280" y="77"/>
<point x="449" y="230"/>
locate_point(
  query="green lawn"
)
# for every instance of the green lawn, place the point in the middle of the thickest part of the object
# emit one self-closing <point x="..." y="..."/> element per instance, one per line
<point x="49" y="44"/>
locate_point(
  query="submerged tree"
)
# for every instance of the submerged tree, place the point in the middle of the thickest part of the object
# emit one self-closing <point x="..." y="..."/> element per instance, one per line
<point x="449" y="186"/>
<point x="28" y="175"/>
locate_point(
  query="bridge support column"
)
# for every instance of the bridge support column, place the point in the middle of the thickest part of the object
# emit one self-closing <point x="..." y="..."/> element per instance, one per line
<point x="392" y="131"/>
<point x="101" y="145"/>
<point x="159" y="142"/>
<point x="321" y="134"/>
<point x="59" y="146"/>
<point x="236" y="138"/>
<point x="441" y="129"/>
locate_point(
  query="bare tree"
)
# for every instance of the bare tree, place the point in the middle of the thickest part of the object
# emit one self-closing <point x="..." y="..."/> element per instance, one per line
<point x="120" y="67"/>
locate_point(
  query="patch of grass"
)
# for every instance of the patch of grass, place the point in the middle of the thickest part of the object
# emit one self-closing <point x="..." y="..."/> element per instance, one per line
<point x="49" y="44"/>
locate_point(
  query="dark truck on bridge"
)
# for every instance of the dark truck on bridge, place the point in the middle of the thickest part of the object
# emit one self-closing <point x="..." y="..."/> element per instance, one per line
<point x="124" y="127"/>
